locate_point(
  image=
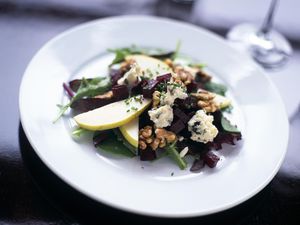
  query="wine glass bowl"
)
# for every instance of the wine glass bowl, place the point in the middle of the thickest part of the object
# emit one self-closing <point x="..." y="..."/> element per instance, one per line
<point x="270" y="49"/>
<point x="266" y="45"/>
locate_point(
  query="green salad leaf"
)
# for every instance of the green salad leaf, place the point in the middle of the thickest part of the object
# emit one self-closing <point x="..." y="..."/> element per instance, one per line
<point x="177" y="49"/>
<point x="227" y="126"/>
<point x="121" y="138"/>
<point x="79" y="132"/>
<point x="122" y="53"/>
<point x="173" y="153"/>
<point x="198" y="65"/>
<point x="87" y="88"/>
<point x="216" y="88"/>
<point x="112" y="145"/>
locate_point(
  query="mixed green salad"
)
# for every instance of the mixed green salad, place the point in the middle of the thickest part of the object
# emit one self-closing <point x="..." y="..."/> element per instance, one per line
<point x="154" y="104"/>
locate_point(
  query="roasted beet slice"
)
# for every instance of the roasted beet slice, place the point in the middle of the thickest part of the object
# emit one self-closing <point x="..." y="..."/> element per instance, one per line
<point x="198" y="164"/>
<point x="138" y="87"/>
<point x="193" y="87"/>
<point x="202" y="77"/>
<point x="164" y="78"/>
<point x="196" y="148"/>
<point x="144" y="119"/>
<point x="224" y="137"/>
<point x="211" y="159"/>
<point x="87" y="104"/>
<point x="120" y="92"/>
<point x="115" y="75"/>
<point x="75" y="84"/>
<point x="181" y="115"/>
<point x="149" y="88"/>
<point x="68" y="90"/>
<point x="99" y="137"/>
<point x="177" y="126"/>
<point x="188" y="104"/>
<point x="147" y="154"/>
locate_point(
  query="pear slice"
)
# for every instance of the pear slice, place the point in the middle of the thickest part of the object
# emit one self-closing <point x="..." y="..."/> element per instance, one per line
<point x="112" y="115"/>
<point x="150" y="66"/>
<point x="130" y="131"/>
<point x="221" y="101"/>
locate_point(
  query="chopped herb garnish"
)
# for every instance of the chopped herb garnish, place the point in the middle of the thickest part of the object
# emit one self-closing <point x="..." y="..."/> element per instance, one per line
<point x="134" y="108"/>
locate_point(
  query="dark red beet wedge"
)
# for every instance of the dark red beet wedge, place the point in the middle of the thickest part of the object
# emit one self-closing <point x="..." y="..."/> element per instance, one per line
<point x="68" y="90"/>
<point x="115" y="75"/>
<point x="149" y="88"/>
<point x="188" y="104"/>
<point x="147" y="154"/>
<point x="224" y="137"/>
<point x="120" y="92"/>
<point x="99" y="137"/>
<point x="211" y="159"/>
<point x="181" y="115"/>
<point x="198" y="164"/>
<point x="177" y="126"/>
<point x="192" y="87"/>
<point x="75" y="84"/>
<point x="87" y="104"/>
<point x="164" y="78"/>
<point x="138" y="87"/>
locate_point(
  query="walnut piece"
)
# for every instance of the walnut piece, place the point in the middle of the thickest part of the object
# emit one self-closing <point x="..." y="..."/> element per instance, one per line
<point x="108" y="94"/>
<point x="155" y="99"/>
<point x="184" y="75"/>
<point x="164" y="134"/>
<point x="205" y="101"/>
<point x="169" y="62"/>
<point x="154" y="140"/>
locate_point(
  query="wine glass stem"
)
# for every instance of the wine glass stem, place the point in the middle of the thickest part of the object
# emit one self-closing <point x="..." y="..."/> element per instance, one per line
<point x="268" y="22"/>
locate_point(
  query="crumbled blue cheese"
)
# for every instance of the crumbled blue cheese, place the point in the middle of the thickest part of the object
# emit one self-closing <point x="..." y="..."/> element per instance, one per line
<point x="161" y="116"/>
<point x="174" y="91"/>
<point x="132" y="76"/>
<point x="202" y="128"/>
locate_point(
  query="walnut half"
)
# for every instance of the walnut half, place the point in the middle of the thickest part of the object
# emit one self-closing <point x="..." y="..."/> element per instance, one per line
<point x="206" y="101"/>
<point x="154" y="140"/>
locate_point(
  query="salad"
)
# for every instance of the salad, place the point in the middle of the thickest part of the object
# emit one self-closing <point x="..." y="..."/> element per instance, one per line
<point x="154" y="104"/>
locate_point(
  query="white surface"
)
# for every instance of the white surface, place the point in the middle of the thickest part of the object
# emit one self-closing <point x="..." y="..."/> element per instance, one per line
<point x="285" y="78"/>
<point x="121" y="182"/>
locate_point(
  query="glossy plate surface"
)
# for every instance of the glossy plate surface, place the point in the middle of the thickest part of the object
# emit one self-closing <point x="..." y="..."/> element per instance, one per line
<point x="159" y="188"/>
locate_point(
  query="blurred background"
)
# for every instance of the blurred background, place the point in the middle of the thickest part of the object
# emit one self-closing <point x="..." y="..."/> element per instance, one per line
<point x="26" y="25"/>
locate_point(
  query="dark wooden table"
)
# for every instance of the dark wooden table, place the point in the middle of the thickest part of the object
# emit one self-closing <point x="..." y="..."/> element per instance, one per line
<point x="31" y="194"/>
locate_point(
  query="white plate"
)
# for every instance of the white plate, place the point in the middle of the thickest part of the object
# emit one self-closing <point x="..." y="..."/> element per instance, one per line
<point x="149" y="188"/>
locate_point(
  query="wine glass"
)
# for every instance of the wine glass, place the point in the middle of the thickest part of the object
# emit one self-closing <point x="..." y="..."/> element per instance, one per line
<point x="267" y="46"/>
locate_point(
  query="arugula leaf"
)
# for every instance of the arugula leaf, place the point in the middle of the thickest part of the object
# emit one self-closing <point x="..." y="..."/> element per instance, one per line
<point x="198" y="65"/>
<point x="227" y="126"/>
<point x="121" y="138"/>
<point x="215" y="87"/>
<point x="173" y="153"/>
<point x="176" y="52"/>
<point x="87" y="88"/>
<point x="121" y="53"/>
<point x="112" y="145"/>
<point x="79" y="131"/>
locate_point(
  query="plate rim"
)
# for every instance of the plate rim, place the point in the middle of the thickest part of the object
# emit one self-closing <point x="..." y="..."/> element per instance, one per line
<point x="140" y="211"/>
